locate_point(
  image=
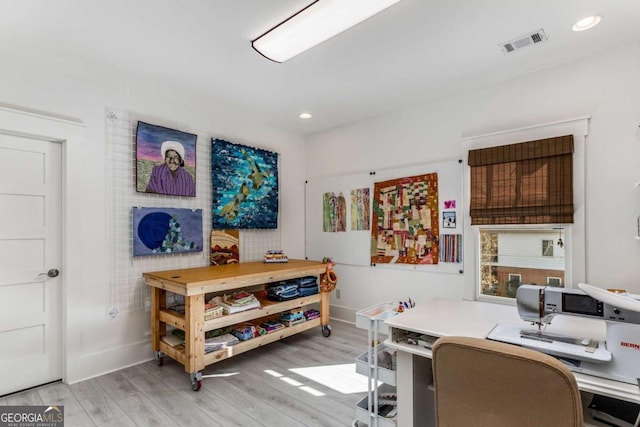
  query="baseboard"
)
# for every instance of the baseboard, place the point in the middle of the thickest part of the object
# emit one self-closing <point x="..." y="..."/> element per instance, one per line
<point x="86" y="366"/>
<point x="344" y="314"/>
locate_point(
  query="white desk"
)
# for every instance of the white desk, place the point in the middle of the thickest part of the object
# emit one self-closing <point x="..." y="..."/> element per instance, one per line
<point x="444" y="317"/>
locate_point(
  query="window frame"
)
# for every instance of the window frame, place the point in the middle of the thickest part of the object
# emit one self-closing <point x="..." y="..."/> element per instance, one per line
<point x="552" y="244"/>
<point x="514" y="275"/>
<point x="573" y="234"/>
<point x="551" y="277"/>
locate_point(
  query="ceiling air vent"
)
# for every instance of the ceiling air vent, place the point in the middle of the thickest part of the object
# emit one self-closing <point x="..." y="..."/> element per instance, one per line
<point x="536" y="37"/>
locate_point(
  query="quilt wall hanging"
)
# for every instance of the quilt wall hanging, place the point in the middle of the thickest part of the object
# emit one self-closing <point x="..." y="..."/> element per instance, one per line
<point x="334" y="212"/>
<point x="360" y="207"/>
<point x="245" y="186"/>
<point x="225" y="247"/>
<point x="165" y="160"/>
<point x="405" y="221"/>
<point x="159" y="231"/>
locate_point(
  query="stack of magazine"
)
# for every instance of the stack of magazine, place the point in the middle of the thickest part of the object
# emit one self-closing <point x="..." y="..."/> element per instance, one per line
<point x="220" y="342"/>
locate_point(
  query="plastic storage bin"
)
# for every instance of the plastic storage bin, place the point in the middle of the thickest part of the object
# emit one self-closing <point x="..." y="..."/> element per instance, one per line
<point x="366" y="416"/>
<point x="385" y="374"/>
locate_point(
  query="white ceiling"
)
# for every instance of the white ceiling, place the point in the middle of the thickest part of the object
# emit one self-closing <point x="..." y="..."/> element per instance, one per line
<point x="413" y="52"/>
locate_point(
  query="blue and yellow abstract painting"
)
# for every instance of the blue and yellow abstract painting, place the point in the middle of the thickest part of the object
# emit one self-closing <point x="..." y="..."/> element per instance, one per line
<point x="245" y="186"/>
<point x="159" y="231"/>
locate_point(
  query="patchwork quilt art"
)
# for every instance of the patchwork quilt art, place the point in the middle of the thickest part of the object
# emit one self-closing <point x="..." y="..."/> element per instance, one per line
<point x="405" y="221"/>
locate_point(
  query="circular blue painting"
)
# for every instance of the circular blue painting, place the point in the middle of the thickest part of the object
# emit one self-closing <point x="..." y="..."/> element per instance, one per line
<point x="153" y="228"/>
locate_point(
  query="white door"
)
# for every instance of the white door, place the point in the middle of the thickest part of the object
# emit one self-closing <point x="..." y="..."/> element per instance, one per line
<point x="30" y="247"/>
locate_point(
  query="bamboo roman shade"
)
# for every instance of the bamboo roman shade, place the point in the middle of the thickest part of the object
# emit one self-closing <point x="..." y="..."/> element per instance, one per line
<point x="525" y="183"/>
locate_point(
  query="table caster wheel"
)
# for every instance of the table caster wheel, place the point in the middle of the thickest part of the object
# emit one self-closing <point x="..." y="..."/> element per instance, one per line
<point x="159" y="358"/>
<point x="326" y="330"/>
<point x="196" y="381"/>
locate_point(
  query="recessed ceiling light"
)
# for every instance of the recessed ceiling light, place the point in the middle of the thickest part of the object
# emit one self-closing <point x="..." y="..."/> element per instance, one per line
<point x="304" y="115"/>
<point x="586" y="23"/>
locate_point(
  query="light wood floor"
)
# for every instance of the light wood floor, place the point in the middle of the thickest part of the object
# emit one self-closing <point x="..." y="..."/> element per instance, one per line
<point x="151" y="395"/>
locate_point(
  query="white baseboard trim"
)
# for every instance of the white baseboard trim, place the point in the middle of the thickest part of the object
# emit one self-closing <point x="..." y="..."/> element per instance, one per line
<point x="86" y="366"/>
<point x="344" y="314"/>
<point x="90" y="365"/>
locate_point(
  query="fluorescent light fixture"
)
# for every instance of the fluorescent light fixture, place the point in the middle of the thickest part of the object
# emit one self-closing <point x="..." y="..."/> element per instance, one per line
<point x="586" y="23"/>
<point x="305" y="115"/>
<point x="314" y="24"/>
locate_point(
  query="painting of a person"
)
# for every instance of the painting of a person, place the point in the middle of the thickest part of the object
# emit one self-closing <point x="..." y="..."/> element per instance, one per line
<point x="170" y="177"/>
<point x="165" y="160"/>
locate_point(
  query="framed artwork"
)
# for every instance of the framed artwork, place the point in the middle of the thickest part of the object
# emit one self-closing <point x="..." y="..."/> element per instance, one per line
<point x="159" y="231"/>
<point x="404" y="226"/>
<point x="245" y="186"/>
<point x="449" y="219"/>
<point x="165" y="160"/>
<point x="225" y="247"/>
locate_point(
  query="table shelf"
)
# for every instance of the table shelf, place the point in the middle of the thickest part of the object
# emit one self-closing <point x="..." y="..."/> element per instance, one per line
<point x="195" y="283"/>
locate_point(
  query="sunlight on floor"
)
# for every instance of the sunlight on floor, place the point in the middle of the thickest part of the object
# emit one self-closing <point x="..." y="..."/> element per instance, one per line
<point x="312" y="391"/>
<point x="342" y="378"/>
<point x="228" y="374"/>
<point x="273" y="373"/>
<point x="291" y="381"/>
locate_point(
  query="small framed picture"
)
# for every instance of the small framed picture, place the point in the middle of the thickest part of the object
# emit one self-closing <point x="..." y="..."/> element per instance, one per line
<point x="449" y="219"/>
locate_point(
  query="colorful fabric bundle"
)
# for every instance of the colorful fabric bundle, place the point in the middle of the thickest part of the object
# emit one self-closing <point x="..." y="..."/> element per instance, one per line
<point x="244" y="331"/>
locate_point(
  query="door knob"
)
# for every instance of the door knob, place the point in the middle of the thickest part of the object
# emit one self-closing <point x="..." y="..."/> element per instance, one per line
<point x="51" y="273"/>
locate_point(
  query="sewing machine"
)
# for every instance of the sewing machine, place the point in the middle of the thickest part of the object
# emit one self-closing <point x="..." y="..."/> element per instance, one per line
<point x="618" y="357"/>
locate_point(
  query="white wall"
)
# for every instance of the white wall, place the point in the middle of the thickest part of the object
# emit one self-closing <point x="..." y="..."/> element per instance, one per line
<point x="65" y="85"/>
<point x="605" y="87"/>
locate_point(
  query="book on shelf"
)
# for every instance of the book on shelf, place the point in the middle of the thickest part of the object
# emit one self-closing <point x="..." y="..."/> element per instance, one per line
<point x="172" y="340"/>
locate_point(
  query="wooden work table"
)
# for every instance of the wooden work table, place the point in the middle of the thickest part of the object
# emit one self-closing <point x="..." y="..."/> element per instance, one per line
<point x="195" y="283"/>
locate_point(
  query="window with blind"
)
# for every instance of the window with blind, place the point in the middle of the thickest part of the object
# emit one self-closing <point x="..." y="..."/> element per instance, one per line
<point x="525" y="183"/>
<point x="519" y="193"/>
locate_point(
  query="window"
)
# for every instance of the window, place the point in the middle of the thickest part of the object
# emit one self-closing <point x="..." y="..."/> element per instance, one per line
<point x="504" y="204"/>
<point x="554" y="281"/>
<point x="515" y="258"/>
<point x="527" y="184"/>
<point x="516" y="279"/>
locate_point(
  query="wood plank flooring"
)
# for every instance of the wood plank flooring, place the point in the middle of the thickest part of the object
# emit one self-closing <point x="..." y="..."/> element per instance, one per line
<point x="238" y="392"/>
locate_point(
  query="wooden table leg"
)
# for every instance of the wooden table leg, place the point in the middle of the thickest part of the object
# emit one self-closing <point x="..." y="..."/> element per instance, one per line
<point x="158" y="328"/>
<point x="194" y="333"/>
<point x="324" y="308"/>
<point x="324" y="313"/>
